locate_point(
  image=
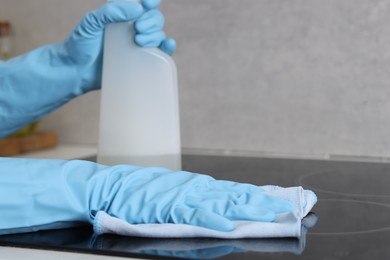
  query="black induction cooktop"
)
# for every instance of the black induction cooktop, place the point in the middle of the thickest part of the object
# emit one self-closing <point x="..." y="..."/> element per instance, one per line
<point x="350" y="221"/>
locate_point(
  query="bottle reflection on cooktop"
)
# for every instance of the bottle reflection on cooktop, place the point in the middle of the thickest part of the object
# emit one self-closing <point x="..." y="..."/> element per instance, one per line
<point x="83" y="239"/>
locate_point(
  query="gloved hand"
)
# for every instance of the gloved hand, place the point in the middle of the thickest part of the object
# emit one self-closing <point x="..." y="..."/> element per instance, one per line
<point x="47" y="194"/>
<point x="38" y="82"/>
<point x="83" y="48"/>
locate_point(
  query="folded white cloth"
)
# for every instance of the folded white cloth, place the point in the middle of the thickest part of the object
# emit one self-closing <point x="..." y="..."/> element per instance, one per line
<point x="285" y="225"/>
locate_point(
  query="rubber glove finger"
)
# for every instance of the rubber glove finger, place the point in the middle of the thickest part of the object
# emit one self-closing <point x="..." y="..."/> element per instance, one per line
<point x="222" y="205"/>
<point x="111" y="12"/>
<point x="150" y="22"/>
<point x="231" y="211"/>
<point x="150" y="4"/>
<point x="234" y="186"/>
<point x="214" y="195"/>
<point x="202" y="218"/>
<point x="273" y="203"/>
<point x="152" y="40"/>
<point x="250" y="213"/>
<point x="277" y="205"/>
<point x="226" y="190"/>
<point x="168" y="46"/>
<point x="218" y="206"/>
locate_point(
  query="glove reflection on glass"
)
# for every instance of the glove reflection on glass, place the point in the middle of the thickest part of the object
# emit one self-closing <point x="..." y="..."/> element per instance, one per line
<point x="199" y="248"/>
<point x="47" y="194"/>
<point x="205" y="248"/>
<point x="38" y="82"/>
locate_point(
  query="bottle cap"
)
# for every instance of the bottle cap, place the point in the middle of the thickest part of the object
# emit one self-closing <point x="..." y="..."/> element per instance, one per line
<point x="5" y="28"/>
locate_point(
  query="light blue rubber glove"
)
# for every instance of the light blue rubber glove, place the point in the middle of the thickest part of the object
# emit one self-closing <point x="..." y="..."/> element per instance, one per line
<point x="42" y="80"/>
<point x="48" y="194"/>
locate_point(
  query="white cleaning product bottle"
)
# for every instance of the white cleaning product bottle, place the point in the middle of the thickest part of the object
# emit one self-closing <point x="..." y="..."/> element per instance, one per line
<point x="139" y="115"/>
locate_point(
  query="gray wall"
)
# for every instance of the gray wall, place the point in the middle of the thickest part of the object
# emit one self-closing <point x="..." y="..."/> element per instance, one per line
<point x="295" y="77"/>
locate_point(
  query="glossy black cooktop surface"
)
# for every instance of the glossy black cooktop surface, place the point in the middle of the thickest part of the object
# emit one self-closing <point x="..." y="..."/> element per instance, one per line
<point x="350" y="221"/>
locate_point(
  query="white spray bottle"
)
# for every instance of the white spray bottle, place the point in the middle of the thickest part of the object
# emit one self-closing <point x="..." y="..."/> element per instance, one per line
<point x="139" y="115"/>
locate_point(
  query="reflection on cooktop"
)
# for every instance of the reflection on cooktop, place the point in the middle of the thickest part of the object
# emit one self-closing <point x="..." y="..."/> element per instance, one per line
<point x="84" y="240"/>
<point x="199" y="248"/>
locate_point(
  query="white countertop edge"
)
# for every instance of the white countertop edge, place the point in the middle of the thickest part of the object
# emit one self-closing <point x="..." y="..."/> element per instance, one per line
<point x="63" y="152"/>
<point x="14" y="253"/>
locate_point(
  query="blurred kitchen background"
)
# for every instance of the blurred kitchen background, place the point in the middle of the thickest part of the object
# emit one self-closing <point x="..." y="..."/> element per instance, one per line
<point x="286" y="78"/>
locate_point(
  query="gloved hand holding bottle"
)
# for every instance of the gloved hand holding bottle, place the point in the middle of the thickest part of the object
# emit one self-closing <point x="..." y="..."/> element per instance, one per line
<point x="35" y="84"/>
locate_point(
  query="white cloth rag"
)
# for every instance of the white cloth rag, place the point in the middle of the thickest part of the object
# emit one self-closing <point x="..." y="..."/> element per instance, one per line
<point x="285" y="225"/>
